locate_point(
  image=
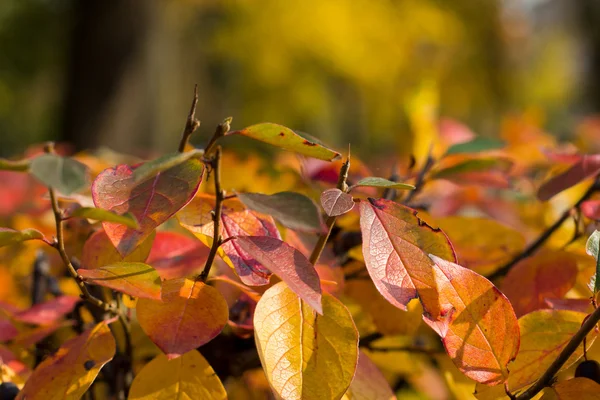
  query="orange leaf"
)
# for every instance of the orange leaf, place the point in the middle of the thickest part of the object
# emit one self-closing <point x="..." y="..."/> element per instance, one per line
<point x="99" y="251"/>
<point x="479" y="328"/>
<point x="132" y="278"/>
<point x="368" y="383"/>
<point x="69" y="372"/>
<point x="586" y="167"/>
<point x="549" y="274"/>
<point x="48" y="312"/>
<point x="574" y="389"/>
<point x="175" y="255"/>
<point x="287" y="263"/>
<point x="190" y="314"/>
<point x="187" y="377"/>
<point x="151" y="202"/>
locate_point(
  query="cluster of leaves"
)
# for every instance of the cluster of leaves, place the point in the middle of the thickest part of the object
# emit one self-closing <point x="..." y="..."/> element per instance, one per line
<point x="385" y="282"/>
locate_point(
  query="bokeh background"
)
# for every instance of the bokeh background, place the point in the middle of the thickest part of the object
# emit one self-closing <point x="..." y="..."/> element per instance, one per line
<point x="120" y="73"/>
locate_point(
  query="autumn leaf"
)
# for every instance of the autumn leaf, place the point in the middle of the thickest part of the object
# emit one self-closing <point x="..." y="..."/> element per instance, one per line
<point x="151" y="168"/>
<point x="305" y="355"/>
<point x="151" y="202"/>
<point x="10" y="165"/>
<point x="548" y="274"/>
<point x="61" y="173"/>
<point x="288" y="264"/>
<point x="592" y="248"/>
<point x="293" y="210"/>
<point x="68" y="373"/>
<point x="368" y="383"/>
<point x="335" y="202"/>
<point x="236" y="220"/>
<point x="591" y="209"/>
<point x="48" y="312"/>
<point x="573" y="389"/>
<point x="544" y="333"/>
<point x="190" y="314"/>
<point x="478" y="326"/>
<point x="99" y="251"/>
<point x="186" y="377"/>
<point x="484" y="171"/>
<point x="382" y="183"/>
<point x="586" y="167"/>
<point x="287" y="139"/>
<point x="99" y="214"/>
<point x="396" y="244"/>
<point x="175" y="255"/>
<point x="133" y="278"/>
<point x="476" y="145"/>
<point x="11" y="236"/>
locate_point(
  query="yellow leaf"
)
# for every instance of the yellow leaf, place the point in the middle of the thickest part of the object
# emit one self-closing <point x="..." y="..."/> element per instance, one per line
<point x="368" y="383"/>
<point x="187" y="377"/>
<point x="574" y="389"/>
<point x="422" y="114"/>
<point x="305" y="355"/>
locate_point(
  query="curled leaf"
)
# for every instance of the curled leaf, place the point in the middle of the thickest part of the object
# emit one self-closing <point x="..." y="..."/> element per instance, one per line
<point x="335" y="202"/>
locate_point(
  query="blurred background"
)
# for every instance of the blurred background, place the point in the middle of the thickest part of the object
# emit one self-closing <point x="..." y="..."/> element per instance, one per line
<point x="121" y="73"/>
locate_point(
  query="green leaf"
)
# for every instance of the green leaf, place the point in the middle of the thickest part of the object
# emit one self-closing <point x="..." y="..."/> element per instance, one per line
<point x="287" y="139"/>
<point x="293" y="210"/>
<point x="592" y="247"/>
<point x="474" y="165"/>
<point x="100" y="214"/>
<point x="383" y="183"/>
<point x="10" y="236"/>
<point x="152" y="168"/>
<point x="19" y="166"/>
<point x="61" y="173"/>
<point x="476" y="145"/>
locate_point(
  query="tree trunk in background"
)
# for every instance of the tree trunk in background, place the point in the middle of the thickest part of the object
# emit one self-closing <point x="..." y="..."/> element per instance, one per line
<point x="107" y="98"/>
<point x="588" y="14"/>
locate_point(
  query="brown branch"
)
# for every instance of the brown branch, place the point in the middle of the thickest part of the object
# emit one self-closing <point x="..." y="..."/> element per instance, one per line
<point x="544" y="236"/>
<point x="221" y="131"/>
<point x="191" y="124"/>
<point x="565" y="354"/>
<point x="343" y="186"/>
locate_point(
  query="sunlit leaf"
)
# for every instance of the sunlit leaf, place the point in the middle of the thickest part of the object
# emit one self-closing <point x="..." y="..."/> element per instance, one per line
<point x="99" y="214"/>
<point x="422" y="109"/>
<point x="592" y="247"/>
<point x="10" y="236"/>
<point x="151" y="202"/>
<point x="574" y="389"/>
<point x="287" y="263"/>
<point x="150" y="169"/>
<point x="236" y="220"/>
<point x="383" y="183"/>
<point x="335" y="202"/>
<point x="190" y="314"/>
<point x="68" y="373"/>
<point x="287" y="139"/>
<point x="588" y="166"/>
<point x="368" y="383"/>
<point x="48" y="312"/>
<point x="61" y="173"/>
<point x="305" y="355"/>
<point x="481" y="244"/>
<point x="99" y="251"/>
<point x="476" y="145"/>
<point x="133" y="278"/>
<point x="187" y="377"/>
<point x="293" y="210"/>
<point x="544" y="333"/>
<point x="175" y="255"/>
<point x="478" y="326"/>
<point x="548" y="274"/>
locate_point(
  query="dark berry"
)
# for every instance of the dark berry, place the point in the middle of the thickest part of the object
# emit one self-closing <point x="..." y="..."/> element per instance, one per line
<point x="588" y="369"/>
<point x="8" y="391"/>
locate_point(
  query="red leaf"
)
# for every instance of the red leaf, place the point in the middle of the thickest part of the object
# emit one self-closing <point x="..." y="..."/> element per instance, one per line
<point x="98" y="251"/>
<point x="549" y="274"/>
<point x="48" y="312"/>
<point x="174" y="255"/>
<point x="591" y="209"/>
<point x="151" y="202"/>
<point x="7" y="330"/>
<point x="588" y="166"/>
<point x="287" y="263"/>
<point x="335" y="202"/>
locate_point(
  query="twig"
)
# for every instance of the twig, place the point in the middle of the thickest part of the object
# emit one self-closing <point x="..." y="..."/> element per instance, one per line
<point x="545" y="235"/>
<point x="391" y="194"/>
<point x="343" y="186"/>
<point x="420" y="180"/>
<point x="191" y="124"/>
<point x="565" y="354"/>
<point x="217" y="240"/>
<point x="59" y="245"/>
<point x="221" y="131"/>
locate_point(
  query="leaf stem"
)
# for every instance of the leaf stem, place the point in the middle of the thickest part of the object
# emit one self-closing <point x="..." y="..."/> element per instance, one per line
<point x="544" y="236"/>
<point x="565" y="354"/>
<point x="343" y="186"/>
<point x="220" y="195"/>
<point x="191" y="124"/>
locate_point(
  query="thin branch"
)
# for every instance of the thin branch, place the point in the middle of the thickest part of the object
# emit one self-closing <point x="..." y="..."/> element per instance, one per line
<point x="191" y="124"/>
<point x="221" y="131"/>
<point x="217" y="240"/>
<point x="565" y="354"/>
<point x="420" y="180"/>
<point x="545" y="235"/>
<point x="343" y="186"/>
